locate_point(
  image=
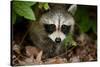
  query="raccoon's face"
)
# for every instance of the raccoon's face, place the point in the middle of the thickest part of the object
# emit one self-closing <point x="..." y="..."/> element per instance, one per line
<point x="59" y="23"/>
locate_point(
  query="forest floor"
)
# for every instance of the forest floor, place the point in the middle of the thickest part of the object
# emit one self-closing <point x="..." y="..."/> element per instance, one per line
<point x="85" y="51"/>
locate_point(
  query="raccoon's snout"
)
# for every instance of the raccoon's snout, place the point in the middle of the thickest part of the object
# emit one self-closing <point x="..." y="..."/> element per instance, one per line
<point x="58" y="40"/>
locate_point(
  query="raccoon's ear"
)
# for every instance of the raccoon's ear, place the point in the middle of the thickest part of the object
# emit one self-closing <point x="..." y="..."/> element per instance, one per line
<point x="72" y="9"/>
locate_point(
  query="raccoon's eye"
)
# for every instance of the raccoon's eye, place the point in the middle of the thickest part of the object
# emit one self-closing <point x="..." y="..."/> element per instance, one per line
<point x="65" y="29"/>
<point x="50" y="28"/>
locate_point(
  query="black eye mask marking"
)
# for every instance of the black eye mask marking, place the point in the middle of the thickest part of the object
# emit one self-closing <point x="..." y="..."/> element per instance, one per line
<point x="49" y="28"/>
<point x="65" y="29"/>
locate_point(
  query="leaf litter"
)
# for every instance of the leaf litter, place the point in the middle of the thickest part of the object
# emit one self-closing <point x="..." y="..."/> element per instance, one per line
<point x="86" y="50"/>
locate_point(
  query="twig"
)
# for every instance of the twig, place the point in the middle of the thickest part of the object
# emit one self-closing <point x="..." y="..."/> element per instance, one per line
<point x="24" y="36"/>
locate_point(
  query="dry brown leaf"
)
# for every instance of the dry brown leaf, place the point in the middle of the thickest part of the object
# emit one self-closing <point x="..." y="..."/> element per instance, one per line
<point x="39" y="57"/>
<point x="56" y="60"/>
<point x="83" y="39"/>
<point x="75" y="59"/>
<point x="21" y="62"/>
<point x="29" y="60"/>
<point x="30" y="50"/>
<point x="16" y="48"/>
<point x="90" y="58"/>
<point x="35" y="55"/>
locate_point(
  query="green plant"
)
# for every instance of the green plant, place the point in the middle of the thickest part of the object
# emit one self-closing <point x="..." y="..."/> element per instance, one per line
<point x="24" y="8"/>
<point x="69" y="41"/>
<point x="84" y="20"/>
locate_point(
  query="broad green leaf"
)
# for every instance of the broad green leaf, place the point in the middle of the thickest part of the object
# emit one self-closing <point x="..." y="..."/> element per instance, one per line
<point x="85" y="24"/>
<point x="29" y="3"/>
<point x="23" y="10"/>
<point x="83" y="19"/>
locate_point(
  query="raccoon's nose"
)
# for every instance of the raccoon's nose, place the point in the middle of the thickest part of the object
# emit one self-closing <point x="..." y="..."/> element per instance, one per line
<point x="58" y="40"/>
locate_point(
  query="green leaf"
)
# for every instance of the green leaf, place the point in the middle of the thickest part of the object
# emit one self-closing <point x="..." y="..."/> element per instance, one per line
<point x="24" y="9"/>
<point x="29" y="3"/>
<point x="85" y="24"/>
<point x="83" y="19"/>
<point x="46" y="6"/>
<point x="69" y="40"/>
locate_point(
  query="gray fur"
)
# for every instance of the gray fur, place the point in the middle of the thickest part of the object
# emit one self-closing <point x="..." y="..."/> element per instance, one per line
<point x="41" y="39"/>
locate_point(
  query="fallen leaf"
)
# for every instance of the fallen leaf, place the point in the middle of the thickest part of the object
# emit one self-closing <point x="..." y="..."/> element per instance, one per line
<point x="39" y="57"/>
<point x="56" y="60"/>
<point x="75" y="59"/>
<point x="16" y="48"/>
<point x="30" y="50"/>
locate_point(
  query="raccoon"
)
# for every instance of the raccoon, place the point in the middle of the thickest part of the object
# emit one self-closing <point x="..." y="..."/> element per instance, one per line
<point x="50" y="31"/>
